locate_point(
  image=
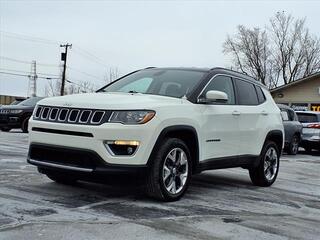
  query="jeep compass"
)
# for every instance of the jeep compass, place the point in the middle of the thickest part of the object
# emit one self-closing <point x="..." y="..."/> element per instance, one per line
<point x="162" y="124"/>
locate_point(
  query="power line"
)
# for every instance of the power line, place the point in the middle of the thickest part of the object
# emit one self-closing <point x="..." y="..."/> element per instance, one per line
<point x="26" y="62"/>
<point x="91" y="59"/>
<point x="90" y="56"/>
<point x="79" y="50"/>
<point x="85" y="73"/>
<point x="29" y="38"/>
<point x="25" y="75"/>
<point x="19" y="71"/>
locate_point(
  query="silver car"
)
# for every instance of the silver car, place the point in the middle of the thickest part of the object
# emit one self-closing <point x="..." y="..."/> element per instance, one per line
<point x="311" y="130"/>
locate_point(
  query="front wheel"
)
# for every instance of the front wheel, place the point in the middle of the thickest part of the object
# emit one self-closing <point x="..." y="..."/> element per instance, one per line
<point x="266" y="172"/>
<point x="170" y="172"/>
<point x="25" y="124"/>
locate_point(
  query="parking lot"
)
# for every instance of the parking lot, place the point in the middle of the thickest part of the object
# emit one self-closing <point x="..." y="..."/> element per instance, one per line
<point x="220" y="204"/>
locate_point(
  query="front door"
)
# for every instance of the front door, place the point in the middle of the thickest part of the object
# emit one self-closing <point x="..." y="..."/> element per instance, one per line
<point x="220" y="122"/>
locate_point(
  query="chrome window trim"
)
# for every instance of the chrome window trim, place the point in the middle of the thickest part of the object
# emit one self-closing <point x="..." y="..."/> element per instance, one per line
<point x="76" y="116"/>
<point x="234" y="88"/>
<point x="90" y="112"/>
<point x="92" y="122"/>
<point x="211" y="79"/>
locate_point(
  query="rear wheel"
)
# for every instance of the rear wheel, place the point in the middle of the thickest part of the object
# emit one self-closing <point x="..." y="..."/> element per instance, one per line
<point x="170" y="172"/>
<point x="294" y="145"/>
<point x="266" y="172"/>
<point x="62" y="179"/>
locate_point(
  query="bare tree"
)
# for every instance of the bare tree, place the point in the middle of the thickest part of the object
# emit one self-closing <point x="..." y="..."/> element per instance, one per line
<point x="112" y="74"/>
<point x="249" y="49"/>
<point x="53" y="88"/>
<point x="284" y="51"/>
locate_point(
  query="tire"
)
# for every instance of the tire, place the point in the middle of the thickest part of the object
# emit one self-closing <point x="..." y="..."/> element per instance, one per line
<point x="25" y="124"/>
<point x="168" y="178"/>
<point x="5" y="129"/>
<point x="268" y="160"/>
<point x="293" y="147"/>
<point x="62" y="179"/>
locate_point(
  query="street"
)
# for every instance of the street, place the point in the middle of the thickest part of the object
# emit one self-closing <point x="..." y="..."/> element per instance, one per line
<point x="220" y="204"/>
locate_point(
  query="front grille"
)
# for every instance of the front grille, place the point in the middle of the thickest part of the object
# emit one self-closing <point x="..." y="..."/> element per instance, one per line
<point x="4" y="111"/>
<point x="71" y="115"/>
<point x="65" y="156"/>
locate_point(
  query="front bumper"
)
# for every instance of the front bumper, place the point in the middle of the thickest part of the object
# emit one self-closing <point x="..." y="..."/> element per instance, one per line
<point x="92" y="138"/>
<point x="10" y="120"/>
<point x="313" y="144"/>
<point x="76" y="161"/>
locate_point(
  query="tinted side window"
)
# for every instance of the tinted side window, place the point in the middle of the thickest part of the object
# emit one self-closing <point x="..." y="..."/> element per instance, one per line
<point x="261" y="96"/>
<point x="223" y="84"/>
<point x="246" y="93"/>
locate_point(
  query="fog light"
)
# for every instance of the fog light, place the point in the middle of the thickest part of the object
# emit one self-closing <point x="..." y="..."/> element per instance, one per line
<point x="125" y="142"/>
<point x="122" y="147"/>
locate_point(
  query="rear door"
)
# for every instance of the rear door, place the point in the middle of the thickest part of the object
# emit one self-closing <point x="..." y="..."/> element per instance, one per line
<point x="252" y="117"/>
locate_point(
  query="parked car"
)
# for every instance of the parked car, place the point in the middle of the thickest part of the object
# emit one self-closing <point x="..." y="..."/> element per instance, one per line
<point x="311" y="130"/>
<point x="292" y="129"/>
<point x="17" y="101"/>
<point x="17" y="116"/>
<point x="163" y="124"/>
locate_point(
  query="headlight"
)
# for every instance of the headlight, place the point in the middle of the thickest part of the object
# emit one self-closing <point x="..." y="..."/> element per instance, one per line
<point x="131" y="117"/>
<point x="15" y="111"/>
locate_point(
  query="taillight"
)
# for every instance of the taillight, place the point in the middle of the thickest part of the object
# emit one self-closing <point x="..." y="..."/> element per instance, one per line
<point x="314" y="125"/>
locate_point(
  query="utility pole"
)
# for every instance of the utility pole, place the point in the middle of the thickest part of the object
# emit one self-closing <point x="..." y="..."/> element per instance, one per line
<point x="64" y="59"/>
<point x="32" y="91"/>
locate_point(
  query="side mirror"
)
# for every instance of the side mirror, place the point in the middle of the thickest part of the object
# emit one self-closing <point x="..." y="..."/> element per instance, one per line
<point x="215" y="96"/>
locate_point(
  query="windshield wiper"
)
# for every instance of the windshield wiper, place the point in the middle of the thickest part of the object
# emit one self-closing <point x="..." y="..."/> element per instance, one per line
<point x="133" y="91"/>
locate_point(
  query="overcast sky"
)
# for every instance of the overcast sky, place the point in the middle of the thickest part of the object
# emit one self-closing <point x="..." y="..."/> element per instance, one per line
<point x="125" y="34"/>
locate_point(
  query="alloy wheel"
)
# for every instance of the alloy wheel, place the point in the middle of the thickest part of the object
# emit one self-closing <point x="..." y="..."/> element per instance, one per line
<point x="270" y="163"/>
<point x="175" y="171"/>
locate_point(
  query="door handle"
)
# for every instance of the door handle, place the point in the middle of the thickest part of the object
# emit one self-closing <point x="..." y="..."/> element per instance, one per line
<point x="264" y="113"/>
<point x="236" y="113"/>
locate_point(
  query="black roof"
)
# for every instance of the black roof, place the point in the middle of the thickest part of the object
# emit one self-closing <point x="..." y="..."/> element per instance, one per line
<point x="215" y="70"/>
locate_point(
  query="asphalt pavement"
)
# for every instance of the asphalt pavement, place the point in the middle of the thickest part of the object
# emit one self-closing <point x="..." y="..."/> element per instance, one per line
<point x="220" y="204"/>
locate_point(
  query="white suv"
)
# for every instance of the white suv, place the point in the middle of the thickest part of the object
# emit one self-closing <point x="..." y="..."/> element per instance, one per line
<point x="161" y="124"/>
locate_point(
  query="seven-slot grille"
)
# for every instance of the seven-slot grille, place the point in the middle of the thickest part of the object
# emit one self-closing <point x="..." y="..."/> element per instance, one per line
<point x="71" y="115"/>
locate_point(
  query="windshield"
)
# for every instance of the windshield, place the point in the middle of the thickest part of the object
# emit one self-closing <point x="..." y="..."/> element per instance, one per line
<point x="165" y="82"/>
<point x="30" y="101"/>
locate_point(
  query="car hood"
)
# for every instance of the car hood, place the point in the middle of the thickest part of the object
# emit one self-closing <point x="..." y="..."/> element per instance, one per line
<point x="111" y="101"/>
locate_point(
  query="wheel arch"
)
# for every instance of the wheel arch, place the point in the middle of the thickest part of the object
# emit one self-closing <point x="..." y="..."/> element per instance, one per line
<point x="186" y="133"/>
<point x="277" y="137"/>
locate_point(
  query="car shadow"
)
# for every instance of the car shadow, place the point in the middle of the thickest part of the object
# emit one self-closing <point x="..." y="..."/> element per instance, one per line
<point x="124" y="189"/>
